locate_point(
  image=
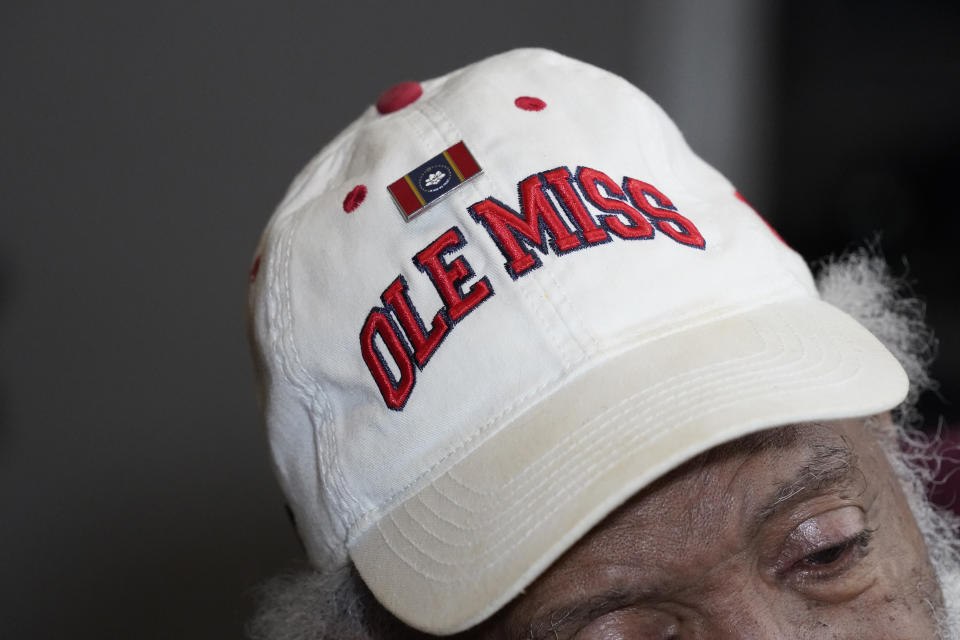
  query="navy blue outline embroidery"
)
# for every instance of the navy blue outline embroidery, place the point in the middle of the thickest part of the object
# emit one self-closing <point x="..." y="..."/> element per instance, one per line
<point x="404" y="293"/>
<point x="525" y="243"/>
<point x="614" y="213"/>
<point x="458" y="283"/>
<point x="580" y="233"/>
<point x="658" y="221"/>
<point x="401" y="336"/>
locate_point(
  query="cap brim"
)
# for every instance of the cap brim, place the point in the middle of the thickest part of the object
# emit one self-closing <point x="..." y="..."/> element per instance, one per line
<point x="466" y="544"/>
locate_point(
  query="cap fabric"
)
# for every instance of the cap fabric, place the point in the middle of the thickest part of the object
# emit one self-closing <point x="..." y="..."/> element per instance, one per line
<point x="452" y="401"/>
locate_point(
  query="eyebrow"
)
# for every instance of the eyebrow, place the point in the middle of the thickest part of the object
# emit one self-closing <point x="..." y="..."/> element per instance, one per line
<point x="827" y="468"/>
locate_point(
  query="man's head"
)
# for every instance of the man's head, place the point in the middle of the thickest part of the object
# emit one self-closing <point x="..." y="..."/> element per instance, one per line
<point x="526" y="363"/>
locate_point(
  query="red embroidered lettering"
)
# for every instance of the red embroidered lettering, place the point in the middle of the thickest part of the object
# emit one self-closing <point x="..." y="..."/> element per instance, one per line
<point x="636" y="228"/>
<point x="395" y="391"/>
<point x="664" y="214"/>
<point x="396" y="298"/>
<point x="560" y="181"/>
<point x="509" y="230"/>
<point x="448" y="277"/>
<point x="631" y="211"/>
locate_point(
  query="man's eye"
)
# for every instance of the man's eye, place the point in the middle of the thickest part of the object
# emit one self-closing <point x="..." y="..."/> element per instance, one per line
<point x="827" y="556"/>
<point x="835" y="554"/>
<point x="822" y="557"/>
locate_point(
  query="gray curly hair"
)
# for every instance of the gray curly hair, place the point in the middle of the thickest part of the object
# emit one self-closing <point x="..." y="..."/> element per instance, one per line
<point x="304" y="604"/>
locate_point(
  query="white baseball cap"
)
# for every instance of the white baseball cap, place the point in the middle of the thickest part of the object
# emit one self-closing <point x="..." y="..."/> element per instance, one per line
<point x="503" y="301"/>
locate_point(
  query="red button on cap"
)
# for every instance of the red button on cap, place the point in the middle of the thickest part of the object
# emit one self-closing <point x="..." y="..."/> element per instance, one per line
<point x="355" y="198"/>
<point x="399" y="96"/>
<point x="529" y="103"/>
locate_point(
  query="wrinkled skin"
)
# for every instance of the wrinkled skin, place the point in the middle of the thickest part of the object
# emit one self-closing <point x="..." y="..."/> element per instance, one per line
<point x="797" y="533"/>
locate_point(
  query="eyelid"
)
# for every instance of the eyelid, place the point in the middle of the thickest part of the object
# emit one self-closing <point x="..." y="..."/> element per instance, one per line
<point x="819" y="533"/>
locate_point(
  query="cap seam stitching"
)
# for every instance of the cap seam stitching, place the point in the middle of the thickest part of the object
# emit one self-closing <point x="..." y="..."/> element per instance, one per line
<point x="312" y="389"/>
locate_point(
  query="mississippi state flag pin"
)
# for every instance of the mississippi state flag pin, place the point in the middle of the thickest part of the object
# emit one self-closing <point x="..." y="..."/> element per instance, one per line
<point x="434" y="179"/>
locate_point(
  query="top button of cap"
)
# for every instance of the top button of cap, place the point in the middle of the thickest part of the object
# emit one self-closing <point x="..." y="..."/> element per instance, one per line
<point x="399" y="96"/>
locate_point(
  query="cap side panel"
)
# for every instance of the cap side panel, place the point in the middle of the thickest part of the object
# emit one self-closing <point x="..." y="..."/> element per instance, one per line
<point x="330" y="531"/>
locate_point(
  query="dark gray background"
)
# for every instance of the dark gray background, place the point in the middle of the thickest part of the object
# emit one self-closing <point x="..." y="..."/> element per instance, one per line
<point x="143" y="146"/>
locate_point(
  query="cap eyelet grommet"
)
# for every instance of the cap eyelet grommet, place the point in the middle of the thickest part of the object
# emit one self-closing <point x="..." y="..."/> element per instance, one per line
<point x="529" y="103"/>
<point x="355" y="198"/>
<point x="399" y="96"/>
